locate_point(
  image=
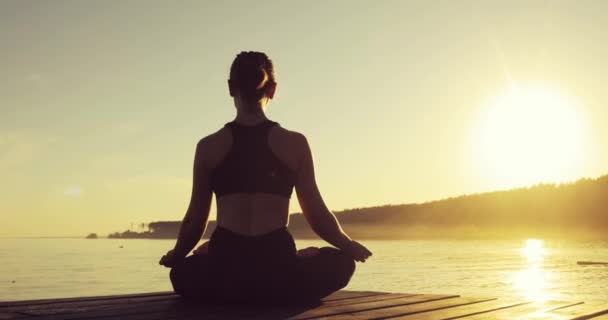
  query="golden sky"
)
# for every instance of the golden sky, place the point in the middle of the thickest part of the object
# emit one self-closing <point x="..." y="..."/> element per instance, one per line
<point x="102" y="102"/>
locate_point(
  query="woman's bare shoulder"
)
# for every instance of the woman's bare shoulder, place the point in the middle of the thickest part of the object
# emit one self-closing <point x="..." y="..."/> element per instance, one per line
<point x="290" y="136"/>
<point x="291" y="139"/>
<point x="219" y="137"/>
<point x="214" y="146"/>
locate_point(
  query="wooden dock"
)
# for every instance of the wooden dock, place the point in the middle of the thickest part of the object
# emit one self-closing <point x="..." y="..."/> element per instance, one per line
<point x="353" y="305"/>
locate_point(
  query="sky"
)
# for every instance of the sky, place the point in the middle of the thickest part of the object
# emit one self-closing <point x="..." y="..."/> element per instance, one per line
<point x="102" y="102"/>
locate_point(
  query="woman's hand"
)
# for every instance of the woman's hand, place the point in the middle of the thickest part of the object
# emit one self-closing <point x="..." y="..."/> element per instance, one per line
<point x="169" y="260"/>
<point x="357" y="251"/>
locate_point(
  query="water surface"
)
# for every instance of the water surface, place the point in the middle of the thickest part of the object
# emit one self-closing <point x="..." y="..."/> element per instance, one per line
<point x="520" y="269"/>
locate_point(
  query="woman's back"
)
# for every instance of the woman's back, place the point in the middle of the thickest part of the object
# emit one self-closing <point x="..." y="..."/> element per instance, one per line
<point x="252" y="170"/>
<point x="252" y="165"/>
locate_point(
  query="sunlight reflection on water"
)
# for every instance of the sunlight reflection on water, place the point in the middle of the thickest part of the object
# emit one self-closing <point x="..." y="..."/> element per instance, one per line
<point x="533" y="281"/>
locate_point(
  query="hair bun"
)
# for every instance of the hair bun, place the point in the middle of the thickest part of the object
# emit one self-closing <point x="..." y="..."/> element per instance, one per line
<point x="256" y="78"/>
<point x="251" y="72"/>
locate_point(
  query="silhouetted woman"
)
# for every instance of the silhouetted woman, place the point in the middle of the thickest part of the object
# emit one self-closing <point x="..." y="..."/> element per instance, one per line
<point x="252" y="164"/>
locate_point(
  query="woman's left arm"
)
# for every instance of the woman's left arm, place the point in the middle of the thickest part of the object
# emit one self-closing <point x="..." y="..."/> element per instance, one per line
<point x="195" y="220"/>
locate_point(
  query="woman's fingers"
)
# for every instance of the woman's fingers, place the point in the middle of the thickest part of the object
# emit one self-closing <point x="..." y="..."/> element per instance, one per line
<point x="163" y="260"/>
<point x="166" y="260"/>
<point x="359" y="252"/>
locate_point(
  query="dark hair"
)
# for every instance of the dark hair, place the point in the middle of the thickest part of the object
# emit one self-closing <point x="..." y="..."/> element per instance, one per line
<point x="251" y="74"/>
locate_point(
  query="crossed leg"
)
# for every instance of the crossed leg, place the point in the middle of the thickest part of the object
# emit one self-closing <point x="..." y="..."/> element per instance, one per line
<point x="309" y="279"/>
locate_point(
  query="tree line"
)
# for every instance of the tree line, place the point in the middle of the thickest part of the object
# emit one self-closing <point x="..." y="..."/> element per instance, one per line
<point x="574" y="209"/>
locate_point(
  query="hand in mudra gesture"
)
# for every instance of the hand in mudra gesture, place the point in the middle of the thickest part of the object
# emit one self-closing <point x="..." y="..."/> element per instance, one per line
<point x="358" y="251"/>
<point x="169" y="260"/>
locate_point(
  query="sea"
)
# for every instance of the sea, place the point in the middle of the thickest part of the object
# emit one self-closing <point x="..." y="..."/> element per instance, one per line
<point x="520" y="269"/>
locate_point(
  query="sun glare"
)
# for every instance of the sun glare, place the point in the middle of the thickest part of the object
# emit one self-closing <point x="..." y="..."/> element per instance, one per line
<point x="530" y="134"/>
<point x="533" y="250"/>
<point x="532" y="281"/>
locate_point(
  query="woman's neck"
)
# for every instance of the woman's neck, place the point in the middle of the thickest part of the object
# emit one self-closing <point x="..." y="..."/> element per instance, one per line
<point x="249" y="114"/>
<point x="250" y="118"/>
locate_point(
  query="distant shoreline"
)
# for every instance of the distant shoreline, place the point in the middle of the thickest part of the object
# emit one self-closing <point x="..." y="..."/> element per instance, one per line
<point x="546" y="210"/>
<point x="43" y="237"/>
<point x="570" y="210"/>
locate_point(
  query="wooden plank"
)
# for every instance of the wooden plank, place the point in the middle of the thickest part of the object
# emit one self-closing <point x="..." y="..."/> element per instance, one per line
<point x="194" y="313"/>
<point x="342" y="297"/>
<point x="352" y="305"/>
<point x="121" y="310"/>
<point x="411" y="309"/>
<point x="365" y="299"/>
<point x="342" y="294"/>
<point x="78" y="299"/>
<point x="592" y="312"/>
<point x="125" y="311"/>
<point x="122" y="306"/>
<point x="589" y="263"/>
<point x="347" y="294"/>
<point x="178" y="308"/>
<point x="334" y="310"/>
<point x="579" y="312"/>
<point x="11" y="315"/>
<point x="249" y="313"/>
<point x="90" y="304"/>
<point x="281" y="312"/>
<point x="184" y="313"/>
<point x="464" y="310"/>
<point x="79" y="306"/>
<point x="520" y="312"/>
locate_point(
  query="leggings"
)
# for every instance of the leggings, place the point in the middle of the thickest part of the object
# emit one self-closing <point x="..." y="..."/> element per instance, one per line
<point x="260" y="269"/>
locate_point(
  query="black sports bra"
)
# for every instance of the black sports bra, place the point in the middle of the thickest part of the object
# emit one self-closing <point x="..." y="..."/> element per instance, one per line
<point x="250" y="166"/>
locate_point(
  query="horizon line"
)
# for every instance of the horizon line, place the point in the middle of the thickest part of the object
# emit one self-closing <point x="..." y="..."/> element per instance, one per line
<point x="348" y="209"/>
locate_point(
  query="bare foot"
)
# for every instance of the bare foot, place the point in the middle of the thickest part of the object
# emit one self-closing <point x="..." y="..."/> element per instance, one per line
<point x="202" y="249"/>
<point x="308" y="252"/>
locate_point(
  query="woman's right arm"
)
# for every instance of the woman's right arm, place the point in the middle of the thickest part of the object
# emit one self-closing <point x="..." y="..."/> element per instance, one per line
<point x="322" y="221"/>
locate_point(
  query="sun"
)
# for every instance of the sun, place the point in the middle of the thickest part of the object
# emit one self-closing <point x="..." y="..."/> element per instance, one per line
<point x="529" y="134"/>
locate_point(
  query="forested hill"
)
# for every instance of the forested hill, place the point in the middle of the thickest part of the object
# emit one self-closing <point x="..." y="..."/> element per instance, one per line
<point x="578" y="209"/>
<point x="574" y="209"/>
